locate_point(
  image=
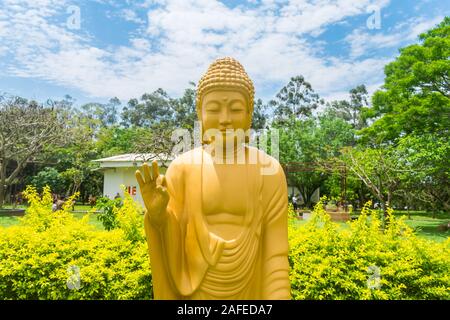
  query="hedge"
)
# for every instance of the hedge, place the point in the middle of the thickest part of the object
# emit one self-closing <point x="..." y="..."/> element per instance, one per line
<point x="56" y="256"/>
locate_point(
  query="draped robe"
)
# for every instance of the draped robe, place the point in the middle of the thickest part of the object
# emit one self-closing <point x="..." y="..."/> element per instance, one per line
<point x="191" y="262"/>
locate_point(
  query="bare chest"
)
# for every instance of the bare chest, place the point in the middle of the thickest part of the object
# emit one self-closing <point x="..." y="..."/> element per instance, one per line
<point x="225" y="190"/>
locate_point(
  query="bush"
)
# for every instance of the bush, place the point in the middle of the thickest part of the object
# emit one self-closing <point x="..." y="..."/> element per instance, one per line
<point x="366" y="261"/>
<point x="127" y="215"/>
<point x="109" y="211"/>
<point x="130" y="218"/>
<point x="56" y="256"/>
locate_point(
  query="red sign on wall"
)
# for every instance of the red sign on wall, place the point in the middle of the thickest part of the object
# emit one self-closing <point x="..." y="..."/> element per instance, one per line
<point x="131" y="190"/>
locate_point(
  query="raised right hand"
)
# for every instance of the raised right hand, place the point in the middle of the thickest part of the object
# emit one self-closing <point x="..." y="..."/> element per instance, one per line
<point x="154" y="192"/>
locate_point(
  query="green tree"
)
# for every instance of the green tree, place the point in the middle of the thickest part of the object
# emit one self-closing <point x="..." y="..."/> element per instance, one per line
<point x="73" y="160"/>
<point x="104" y="114"/>
<point x="153" y="110"/>
<point x="260" y="116"/>
<point x="380" y="169"/>
<point x="416" y="94"/>
<point x="308" y="149"/>
<point x="115" y="140"/>
<point x="49" y="177"/>
<point x="411" y="121"/>
<point x="295" y="100"/>
<point x="26" y="129"/>
<point x="352" y="111"/>
<point x="184" y="108"/>
<point x="427" y="157"/>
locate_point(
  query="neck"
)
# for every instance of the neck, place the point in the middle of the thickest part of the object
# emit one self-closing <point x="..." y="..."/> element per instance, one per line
<point x="230" y="152"/>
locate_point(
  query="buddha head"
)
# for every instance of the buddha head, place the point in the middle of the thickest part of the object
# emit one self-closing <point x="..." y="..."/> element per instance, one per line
<point x="225" y="97"/>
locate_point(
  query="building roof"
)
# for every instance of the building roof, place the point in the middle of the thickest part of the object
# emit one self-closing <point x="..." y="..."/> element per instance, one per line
<point x="132" y="160"/>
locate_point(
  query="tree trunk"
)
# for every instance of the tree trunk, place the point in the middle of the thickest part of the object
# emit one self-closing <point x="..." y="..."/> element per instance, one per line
<point x="2" y="184"/>
<point x="383" y="207"/>
<point x="362" y="200"/>
<point x="389" y="199"/>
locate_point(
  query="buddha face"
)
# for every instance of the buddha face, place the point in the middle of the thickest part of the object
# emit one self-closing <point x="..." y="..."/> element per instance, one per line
<point x="225" y="110"/>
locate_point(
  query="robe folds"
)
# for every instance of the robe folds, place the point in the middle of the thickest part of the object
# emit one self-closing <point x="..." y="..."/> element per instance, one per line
<point x="190" y="262"/>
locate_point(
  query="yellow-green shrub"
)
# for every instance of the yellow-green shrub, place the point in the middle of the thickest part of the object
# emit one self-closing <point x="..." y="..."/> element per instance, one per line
<point x="327" y="263"/>
<point x="37" y="256"/>
<point x="130" y="218"/>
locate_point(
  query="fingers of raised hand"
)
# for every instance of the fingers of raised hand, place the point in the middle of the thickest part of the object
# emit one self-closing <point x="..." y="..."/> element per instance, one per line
<point x="161" y="182"/>
<point x="162" y="192"/>
<point x="155" y="169"/>
<point x="139" y="178"/>
<point x="147" y="176"/>
<point x="144" y="177"/>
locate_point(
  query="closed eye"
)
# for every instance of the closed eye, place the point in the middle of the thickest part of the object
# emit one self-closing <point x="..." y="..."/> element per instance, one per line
<point x="212" y="107"/>
<point x="237" y="107"/>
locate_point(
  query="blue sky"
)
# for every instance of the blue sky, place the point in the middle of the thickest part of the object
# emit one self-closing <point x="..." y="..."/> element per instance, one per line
<point x="95" y="50"/>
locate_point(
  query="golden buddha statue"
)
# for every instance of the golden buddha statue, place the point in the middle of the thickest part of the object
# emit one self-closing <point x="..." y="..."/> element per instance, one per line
<point x="218" y="229"/>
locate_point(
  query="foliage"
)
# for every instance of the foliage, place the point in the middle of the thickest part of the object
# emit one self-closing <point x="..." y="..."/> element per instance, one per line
<point x="55" y="256"/>
<point x="291" y="212"/>
<point x="49" y="177"/>
<point x="39" y="211"/>
<point x="130" y="218"/>
<point x="366" y="261"/>
<point x="310" y="145"/>
<point x="378" y="168"/>
<point x="352" y="111"/>
<point x="108" y="208"/>
<point x="153" y="110"/>
<point x="104" y="114"/>
<point x="416" y="96"/>
<point x="126" y="215"/>
<point x="295" y="100"/>
<point x="427" y="157"/>
<point x="42" y="257"/>
<point x="259" y="118"/>
<point x="116" y="140"/>
<point x="26" y="127"/>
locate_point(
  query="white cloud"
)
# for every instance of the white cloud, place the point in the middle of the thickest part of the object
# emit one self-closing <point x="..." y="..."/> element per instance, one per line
<point x="361" y="41"/>
<point x="130" y="15"/>
<point x="182" y="38"/>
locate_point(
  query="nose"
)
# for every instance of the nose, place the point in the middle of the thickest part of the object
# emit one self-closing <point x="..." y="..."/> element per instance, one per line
<point x="225" y="119"/>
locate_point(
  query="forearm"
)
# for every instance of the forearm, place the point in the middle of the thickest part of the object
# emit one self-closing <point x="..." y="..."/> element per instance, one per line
<point x="276" y="285"/>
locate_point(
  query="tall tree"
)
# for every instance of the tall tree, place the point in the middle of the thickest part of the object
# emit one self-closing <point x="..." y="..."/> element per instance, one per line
<point x="352" y="111"/>
<point x="306" y="148"/>
<point x="104" y="115"/>
<point x="416" y="94"/>
<point x="26" y="128"/>
<point x="411" y="122"/>
<point x="153" y="110"/>
<point x="427" y="156"/>
<point x="379" y="169"/>
<point x="259" y="120"/>
<point x="184" y="109"/>
<point x="296" y="100"/>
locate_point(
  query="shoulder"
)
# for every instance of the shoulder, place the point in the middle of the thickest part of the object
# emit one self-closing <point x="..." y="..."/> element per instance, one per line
<point x="270" y="167"/>
<point x="187" y="158"/>
<point x="183" y="162"/>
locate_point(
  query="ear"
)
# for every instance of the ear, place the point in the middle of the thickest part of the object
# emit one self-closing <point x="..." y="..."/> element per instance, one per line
<point x="249" y="119"/>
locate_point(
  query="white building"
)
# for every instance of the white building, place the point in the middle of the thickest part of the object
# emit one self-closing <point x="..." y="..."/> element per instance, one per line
<point x="119" y="170"/>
